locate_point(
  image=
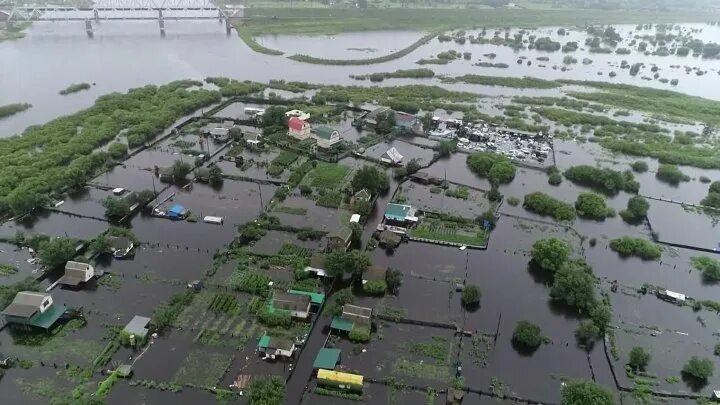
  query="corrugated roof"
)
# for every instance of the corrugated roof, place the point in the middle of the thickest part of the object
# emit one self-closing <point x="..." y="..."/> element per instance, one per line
<point x="324" y="132"/>
<point x="397" y="212"/>
<point x="327" y="358"/>
<point x="264" y="342"/>
<point x="393" y="155"/>
<point x="49" y="317"/>
<point x="315" y="298"/>
<point x="176" y="209"/>
<point x="341" y="324"/>
<point x="138" y="325"/>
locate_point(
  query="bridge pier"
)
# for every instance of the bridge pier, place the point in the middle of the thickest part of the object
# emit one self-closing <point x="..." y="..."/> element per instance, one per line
<point x="221" y="16"/>
<point x="96" y="15"/>
<point x="161" y="21"/>
<point x="228" y="27"/>
<point x="89" y="28"/>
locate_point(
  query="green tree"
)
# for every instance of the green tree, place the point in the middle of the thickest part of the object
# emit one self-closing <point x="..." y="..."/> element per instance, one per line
<point x="385" y="122"/>
<point x="574" y="284"/>
<point x="555" y="179"/>
<point x="180" y="170"/>
<point x="502" y="172"/>
<point x="55" y="252"/>
<point x="372" y="179"/>
<point x="592" y="205"/>
<point x="354" y="262"/>
<point x="412" y="166"/>
<point x="471" y="295"/>
<point x="640" y="166"/>
<point x="714" y="187"/>
<point x="670" y="174"/>
<point x="267" y="391"/>
<point x="484" y="165"/>
<point x="116" y="208"/>
<point x="708" y="266"/>
<point x="601" y="315"/>
<point x="26" y="199"/>
<point x="550" y="254"/>
<point x="639" y="358"/>
<point x="587" y="332"/>
<point x="117" y="150"/>
<point x="637" y="208"/>
<point x="632" y="246"/>
<point x="585" y="392"/>
<point x="527" y="335"/>
<point x="393" y="279"/>
<point x="427" y="122"/>
<point x="698" y="369"/>
<point x="274" y="117"/>
<point x="445" y="148"/>
<point x="215" y="178"/>
<point x="100" y="245"/>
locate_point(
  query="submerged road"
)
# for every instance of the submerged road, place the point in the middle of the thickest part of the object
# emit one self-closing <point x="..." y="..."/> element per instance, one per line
<point x="295" y="387"/>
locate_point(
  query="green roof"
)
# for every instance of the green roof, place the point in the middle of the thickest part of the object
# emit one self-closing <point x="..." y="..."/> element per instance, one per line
<point x="48" y="318"/>
<point x="315" y="298"/>
<point x="327" y="358"/>
<point x="264" y="342"/>
<point x="323" y="132"/>
<point x="341" y="324"/>
<point x="396" y="212"/>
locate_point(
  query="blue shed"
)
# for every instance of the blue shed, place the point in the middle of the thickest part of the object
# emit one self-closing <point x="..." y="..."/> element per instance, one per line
<point x="177" y="211"/>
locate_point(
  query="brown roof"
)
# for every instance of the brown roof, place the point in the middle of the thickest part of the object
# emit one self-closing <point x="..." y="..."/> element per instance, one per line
<point x="280" y="343"/>
<point x="25" y="304"/>
<point x="343" y="232"/>
<point x="290" y="302"/>
<point x="71" y="278"/>
<point x="375" y="273"/>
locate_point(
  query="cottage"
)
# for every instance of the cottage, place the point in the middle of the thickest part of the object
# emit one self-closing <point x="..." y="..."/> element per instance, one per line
<point x="298" y="129"/>
<point x="274" y="347"/>
<point x="76" y="273"/>
<point x="118" y="191"/>
<point x="298" y="305"/>
<point x="252" y="139"/>
<point x="362" y="195"/>
<point x="33" y="309"/>
<point x="227" y="124"/>
<point x="406" y="121"/>
<point x="317" y="265"/>
<point x="400" y="214"/>
<point x="325" y="136"/>
<point x="220" y="134"/>
<point x="121" y="246"/>
<point x="339" y="239"/>
<point x="166" y="174"/>
<point x="138" y="328"/>
<point x="177" y="211"/>
<point x="392" y="157"/>
<point x="374" y="273"/>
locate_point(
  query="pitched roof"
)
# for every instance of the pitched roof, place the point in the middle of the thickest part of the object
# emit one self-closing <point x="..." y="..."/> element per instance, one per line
<point x="76" y="266"/>
<point x="138" y="325"/>
<point x="296" y="124"/>
<point x="324" y="132"/>
<point x="327" y="358"/>
<point x="315" y="298"/>
<point x="219" y="131"/>
<point x="25" y="304"/>
<point x="341" y="324"/>
<point x="72" y="277"/>
<point x="364" y="194"/>
<point x="375" y="273"/>
<point x="271" y="342"/>
<point x="343" y="232"/>
<point x="317" y="260"/>
<point x="291" y="302"/>
<point x="393" y="155"/>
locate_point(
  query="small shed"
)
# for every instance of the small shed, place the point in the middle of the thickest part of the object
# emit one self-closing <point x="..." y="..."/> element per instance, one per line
<point x="341" y="324"/>
<point x="177" y="211"/>
<point x="138" y="326"/>
<point x="327" y="358"/>
<point x="276" y="347"/>
<point x="76" y="273"/>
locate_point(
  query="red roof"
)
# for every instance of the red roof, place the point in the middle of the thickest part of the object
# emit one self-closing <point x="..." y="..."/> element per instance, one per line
<point x="296" y="124"/>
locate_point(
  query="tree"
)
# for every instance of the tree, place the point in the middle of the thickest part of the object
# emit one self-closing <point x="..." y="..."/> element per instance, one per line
<point x="385" y="122"/>
<point x="585" y="392"/>
<point x="55" y="252"/>
<point x="274" y="117"/>
<point x="484" y="165"/>
<point x="471" y="295"/>
<point x="215" y="178"/>
<point x="574" y="284"/>
<point x="550" y="254"/>
<point x="698" y="369"/>
<point x="355" y="234"/>
<point x="555" y="179"/>
<point x="632" y="246"/>
<point x="145" y="196"/>
<point x="117" y="150"/>
<point x="587" y="332"/>
<point x="670" y="174"/>
<point x="502" y="172"/>
<point x="101" y="246"/>
<point x="372" y="179"/>
<point x="528" y="335"/>
<point x="445" y="148"/>
<point x="354" y="261"/>
<point x="708" y="266"/>
<point x="26" y="199"/>
<point x="427" y="122"/>
<point x="393" y="279"/>
<point x="714" y="187"/>
<point x="601" y="315"/>
<point x="180" y="170"/>
<point x="639" y="358"/>
<point x="412" y="166"/>
<point x="116" y="208"/>
<point x="640" y="166"/>
<point x="592" y="205"/>
<point x="637" y="208"/>
<point x="267" y="391"/>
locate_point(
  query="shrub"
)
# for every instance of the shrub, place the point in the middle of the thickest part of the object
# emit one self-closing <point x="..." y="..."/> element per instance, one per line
<point x="267" y="391"/>
<point x="632" y="246"/>
<point x="574" y="284"/>
<point x="670" y="174"/>
<point x="708" y="266"/>
<point x="592" y="205"/>
<point x="471" y="295"/>
<point x="359" y="334"/>
<point x="555" y="179"/>
<point x="639" y="358"/>
<point x="704" y="179"/>
<point x="275" y="317"/>
<point x="372" y="179"/>
<point x="484" y="165"/>
<point x="637" y="209"/>
<point x="513" y="201"/>
<point x="584" y="392"/>
<point x="604" y="180"/>
<point x="117" y="150"/>
<point x="587" y="332"/>
<point x="527" y="334"/>
<point x="393" y="280"/>
<point x="698" y="369"/>
<point x="550" y="254"/>
<point x="543" y="204"/>
<point x="375" y="287"/>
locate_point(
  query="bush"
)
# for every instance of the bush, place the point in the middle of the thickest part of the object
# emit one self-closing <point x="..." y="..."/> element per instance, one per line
<point x="372" y="179"/>
<point x="117" y="150"/>
<point x="55" y="252"/>
<point x="550" y="254"/>
<point x="267" y="391"/>
<point x="527" y="334"/>
<point x="716" y="351"/>
<point x="584" y="392"/>
<point x="640" y="166"/>
<point x="587" y="332"/>
<point x="483" y="164"/>
<point x="637" y="209"/>
<point x="592" y="205"/>
<point x="275" y="317"/>
<point x="393" y="280"/>
<point x="359" y="334"/>
<point x="698" y="369"/>
<point x="555" y="179"/>
<point x="375" y="287"/>
<point x="708" y="266"/>
<point x="514" y="201"/>
<point x="632" y="246"/>
<point x="670" y="174"/>
<point x="543" y="204"/>
<point x="705" y="179"/>
<point x="606" y="181"/>
<point x="116" y="208"/>
<point x="639" y="358"/>
<point x="471" y="295"/>
<point x="354" y="261"/>
<point x="574" y="284"/>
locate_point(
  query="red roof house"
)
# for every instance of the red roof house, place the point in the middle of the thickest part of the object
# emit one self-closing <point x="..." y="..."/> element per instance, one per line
<point x="298" y="128"/>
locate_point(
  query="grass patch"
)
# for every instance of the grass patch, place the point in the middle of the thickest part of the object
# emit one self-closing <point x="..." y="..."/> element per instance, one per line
<point x="392" y="56"/>
<point x="447" y="231"/>
<point x="514" y="82"/>
<point x="291" y="210"/>
<point x="421" y="370"/>
<point x="203" y="369"/>
<point x="328" y="175"/>
<point x="250" y="41"/>
<point x="7" y="270"/>
<point x="437" y="349"/>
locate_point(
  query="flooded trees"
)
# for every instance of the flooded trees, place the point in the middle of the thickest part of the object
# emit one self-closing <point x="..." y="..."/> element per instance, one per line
<point x="543" y="204"/>
<point x="471" y="296"/>
<point x="585" y="392"/>
<point x="180" y="170"/>
<point x="496" y="168"/>
<point x="698" y="369"/>
<point x="587" y="332"/>
<point x="268" y="391"/>
<point x="116" y="208"/>
<point x="639" y="166"/>
<point x="55" y="252"/>
<point x="574" y="284"/>
<point x="353" y="262"/>
<point x="604" y="180"/>
<point x="631" y="246"/>
<point x="592" y="206"/>
<point x="527" y="336"/>
<point x="372" y="179"/>
<point x="713" y="196"/>
<point x="639" y="358"/>
<point x="550" y="254"/>
<point x="637" y="208"/>
<point x="670" y="174"/>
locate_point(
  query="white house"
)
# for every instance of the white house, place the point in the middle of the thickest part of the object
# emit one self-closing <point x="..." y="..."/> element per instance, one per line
<point x="276" y="347"/>
<point x="297" y="304"/>
<point x="76" y="273"/>
<point x="325" y="136"/>
<point x="392" y="156"/>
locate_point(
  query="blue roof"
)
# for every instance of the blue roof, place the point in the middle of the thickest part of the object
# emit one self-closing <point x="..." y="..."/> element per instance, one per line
<point x="176" y="209"/>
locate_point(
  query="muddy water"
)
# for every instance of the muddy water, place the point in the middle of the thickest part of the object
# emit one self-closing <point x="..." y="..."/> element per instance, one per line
<point x="54" y="224"/>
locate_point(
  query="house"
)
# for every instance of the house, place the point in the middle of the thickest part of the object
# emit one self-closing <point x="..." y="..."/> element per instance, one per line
<point x="252" y="139"/>
<point x="316" y="299"/>
<point x="298" y="114"/>
<point x="274" y="347"/>
<point x="362" y="195"/>
<point x="298" y="129"/>
<point x="337" y="379"/>
<point x="339" y="239"/>
<point x="357" y="315"/>
<point x="298" y="305"/>
<point x="327" y="359"/>
<point x="202" y="174"/>
<point x="325" y="136"/>
<point x="317" y="265"/>
<point x="33" y="309"/>
<point x="177" y="211"/>
<point x="120" y="245"/>
<point x="392" y="157"/>
<point x="220" y="134"/>
<point x="166" y="174"/>
<point x="400" y="213"/>
<point x="407" y="122"/>
<point x="671" y="296"/>
<point x="374" y="273"/>
<point x="76" y="273"/>
<point x="138" y="327"/>
<point x="227" y="124"/>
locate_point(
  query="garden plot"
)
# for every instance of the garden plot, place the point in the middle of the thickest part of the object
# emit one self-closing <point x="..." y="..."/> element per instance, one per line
<point x="667" y="218"/>
<point x="157" y="156"/>
<point x="203" y="367"/>
<point x="426" y="260"/>
<point x="54" y="224"/>
<point x="408" y="151"/>
<point x="87" y="202"/>
<point x="255" y="166"/>
<point x="328" y="176"/>
<point x="436" y="228"/>
<point x="455" y="200"/>
<point x="278" y="242"/>
<point x="299" y="212"/>
<point x="423" y="300"/>
<point x="38" y="385"/>
<point x="417" y="355"/>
